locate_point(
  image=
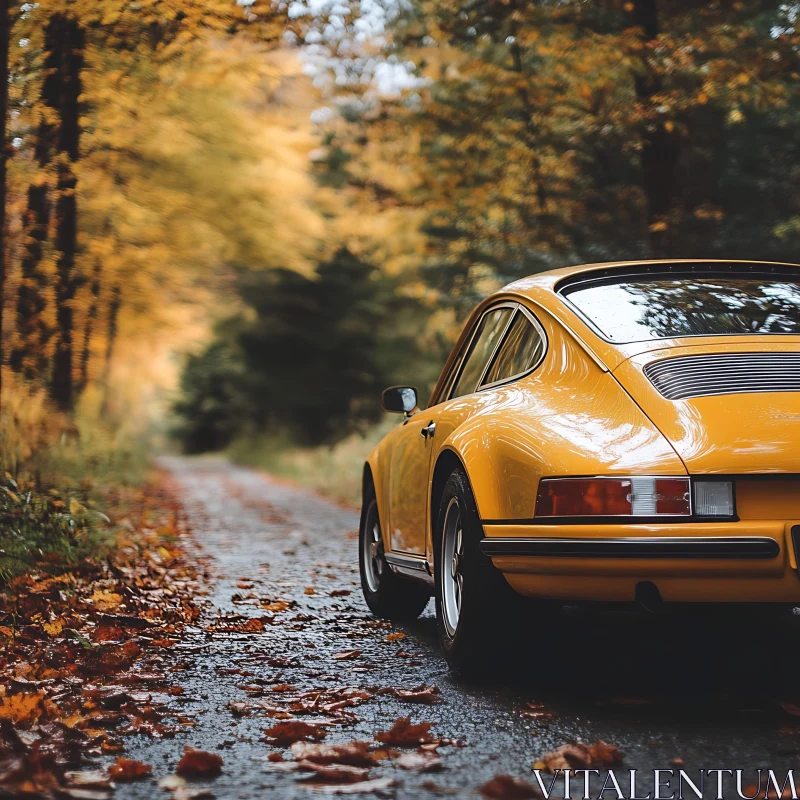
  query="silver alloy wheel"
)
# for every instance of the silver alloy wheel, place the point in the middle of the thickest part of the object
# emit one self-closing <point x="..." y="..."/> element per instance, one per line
<point x="452" y="564"/>
<point x="372" y="548"/>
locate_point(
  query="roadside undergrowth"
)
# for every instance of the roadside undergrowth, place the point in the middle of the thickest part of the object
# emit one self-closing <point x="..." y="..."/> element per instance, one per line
<point x="81" y="651"/>
<point x="64" y="480"/>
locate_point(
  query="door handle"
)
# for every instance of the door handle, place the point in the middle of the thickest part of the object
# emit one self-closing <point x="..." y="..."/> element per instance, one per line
<point x="428" y="431"/>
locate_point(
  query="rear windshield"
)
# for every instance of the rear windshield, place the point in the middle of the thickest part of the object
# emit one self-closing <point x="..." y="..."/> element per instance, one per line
<point x="657" y="307"/>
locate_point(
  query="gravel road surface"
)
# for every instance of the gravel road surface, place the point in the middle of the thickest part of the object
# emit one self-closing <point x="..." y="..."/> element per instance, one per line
<point x="712" y="691"/>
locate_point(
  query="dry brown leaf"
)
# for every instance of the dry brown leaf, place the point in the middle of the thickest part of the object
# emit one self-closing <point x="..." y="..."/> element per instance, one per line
<point x="355" y="754"/>
<point x="427" y="695"/>
<point x="579" y="756"/>
<point x="199" y="764"/>
<point x="605" y="755"/>
<point x="332" y="773"/>
<point x="395" y="637"/>
<point x="346" y="655"/>
<point x="404" y="734"/>
<point x="284" y="734"/>
<point x="126" y="769"/>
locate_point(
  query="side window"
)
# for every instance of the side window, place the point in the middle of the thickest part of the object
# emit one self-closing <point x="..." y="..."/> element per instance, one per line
<point x="490" y="330"/>
<point x="522" y="348"/>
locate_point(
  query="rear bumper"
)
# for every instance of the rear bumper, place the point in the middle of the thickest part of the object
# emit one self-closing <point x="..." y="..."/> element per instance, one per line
<point x="707" y="547"/>
<point x="746" y="561"/>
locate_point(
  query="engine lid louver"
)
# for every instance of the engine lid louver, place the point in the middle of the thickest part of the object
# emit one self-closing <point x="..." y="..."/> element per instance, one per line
<point x="725" y="373"/>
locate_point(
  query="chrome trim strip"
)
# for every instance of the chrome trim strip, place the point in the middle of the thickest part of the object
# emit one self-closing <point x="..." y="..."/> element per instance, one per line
<point x="684" y="547"/>
<point x="419" y="563"/>
<point x="714" y="374"/>
<point x="415" y="567"/>
<point x="496" y="347"/>
<point x="467" y="349"/>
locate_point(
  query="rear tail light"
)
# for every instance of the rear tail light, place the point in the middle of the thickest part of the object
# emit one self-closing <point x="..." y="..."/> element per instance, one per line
<point x="713" y="498"/>
<point x="613" y="497"/>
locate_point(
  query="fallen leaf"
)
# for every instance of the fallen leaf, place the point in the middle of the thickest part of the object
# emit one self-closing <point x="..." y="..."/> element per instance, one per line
<point x="276" y="607"/>
<point x="420" y="762"/>
<point x="53" y="628"/>
<point x="404" y="734"/>
<point x="376" y="785"/>
<point x="199" y="764"/>
<point x="346" y="655"/>
<point x="395" y="637"/>
<point x="126" y="769"/>
<point x="605" y="755"/>
<point x="309" y="590"/>
<point x="332" y="773"/>
<point x="284" y="734"/>
<point x="355" y="754"/>
<point x="427" y="695"/>
<point x="791" y="709"/>
<point x="105" y="601"/>
<point x="23" y="708"/>
<point x="579" y="756"/>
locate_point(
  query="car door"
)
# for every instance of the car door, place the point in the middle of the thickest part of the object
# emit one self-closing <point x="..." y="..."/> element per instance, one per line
<point x="411" y="456"/>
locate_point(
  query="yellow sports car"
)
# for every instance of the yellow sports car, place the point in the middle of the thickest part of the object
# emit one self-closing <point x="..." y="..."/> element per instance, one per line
<point x="611" y="432"/>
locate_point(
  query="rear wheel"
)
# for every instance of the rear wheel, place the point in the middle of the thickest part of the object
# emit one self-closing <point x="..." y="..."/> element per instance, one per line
<point x="387" y="595"/>
<point x="478" y="614"/>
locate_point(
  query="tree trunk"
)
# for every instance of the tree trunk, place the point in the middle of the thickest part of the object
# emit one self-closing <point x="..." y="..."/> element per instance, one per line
<point x="29" y="357"/>
<point x="88" y="331"/>
<point x="660" y="147"/>
<point x="61" y="90"/>
<point x="111" y="338"/>
<point x="5" y="33"/>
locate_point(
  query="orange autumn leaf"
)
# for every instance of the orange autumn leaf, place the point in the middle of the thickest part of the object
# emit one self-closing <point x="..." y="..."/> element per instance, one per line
<point x="126" y="769"/>
<point x="105" y="601"/>
<point x="24" y="708"/>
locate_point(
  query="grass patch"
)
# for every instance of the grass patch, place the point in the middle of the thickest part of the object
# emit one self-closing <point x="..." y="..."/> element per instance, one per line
<point x="334" y="471"/>
<point x="59" y="476"/>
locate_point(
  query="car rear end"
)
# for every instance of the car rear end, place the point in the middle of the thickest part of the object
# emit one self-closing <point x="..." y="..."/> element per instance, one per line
<point x="711" y="354"/>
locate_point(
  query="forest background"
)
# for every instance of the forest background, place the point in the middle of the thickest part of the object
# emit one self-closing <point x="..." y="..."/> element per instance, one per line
<point x="228" y="224"/>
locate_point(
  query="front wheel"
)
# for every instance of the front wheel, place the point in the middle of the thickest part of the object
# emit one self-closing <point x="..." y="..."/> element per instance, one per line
<point x="477" y="612"/>
<point x="387" y="595"/>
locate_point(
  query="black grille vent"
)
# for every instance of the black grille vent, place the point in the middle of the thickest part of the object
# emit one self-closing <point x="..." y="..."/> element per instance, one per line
<point x="725" y="373"/>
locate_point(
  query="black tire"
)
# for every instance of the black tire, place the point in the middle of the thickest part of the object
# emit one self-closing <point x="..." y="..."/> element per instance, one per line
<point x="388" y="596"/>
<point x="490" y="613"/>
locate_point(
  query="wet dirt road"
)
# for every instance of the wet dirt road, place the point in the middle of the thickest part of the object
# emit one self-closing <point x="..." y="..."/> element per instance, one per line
<point x="704" y="690"/>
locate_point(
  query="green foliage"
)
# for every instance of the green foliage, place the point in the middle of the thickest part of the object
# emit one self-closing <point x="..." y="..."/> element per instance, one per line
<point x="557" y="133"/>
<point x="310" y="360"/>
<point x="214" y="400"/>
<point x="45" y="527"/>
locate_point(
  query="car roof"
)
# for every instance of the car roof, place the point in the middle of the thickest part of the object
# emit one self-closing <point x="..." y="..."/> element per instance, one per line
<point x="534" y="285"/>
<point x="542" y="289"/>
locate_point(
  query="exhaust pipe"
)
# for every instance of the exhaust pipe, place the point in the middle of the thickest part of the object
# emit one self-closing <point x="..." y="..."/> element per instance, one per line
<point x="648" y="597"/>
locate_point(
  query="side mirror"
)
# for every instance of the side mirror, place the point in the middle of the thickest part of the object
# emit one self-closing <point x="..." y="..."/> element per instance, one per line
<point x="399" y="399"/>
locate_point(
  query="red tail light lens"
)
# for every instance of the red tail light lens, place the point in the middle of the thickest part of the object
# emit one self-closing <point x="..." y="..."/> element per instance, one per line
<point x="613" y="497"/>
